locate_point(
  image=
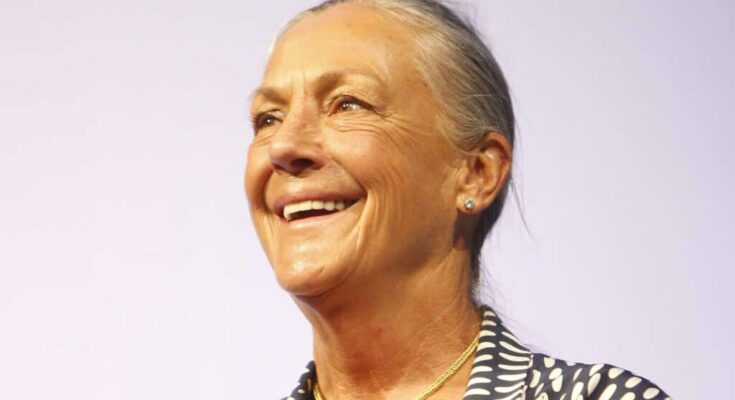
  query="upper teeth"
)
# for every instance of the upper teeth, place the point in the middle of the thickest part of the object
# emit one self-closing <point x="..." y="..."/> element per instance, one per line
<point x="291" y="209"/>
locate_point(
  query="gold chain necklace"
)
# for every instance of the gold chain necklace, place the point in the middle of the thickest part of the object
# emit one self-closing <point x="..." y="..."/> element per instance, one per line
<point x="443" y="378"/>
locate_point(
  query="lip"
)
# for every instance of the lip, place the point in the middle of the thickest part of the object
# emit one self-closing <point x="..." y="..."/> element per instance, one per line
<point x="319" y="222"/>
<point x="286" y="199"/>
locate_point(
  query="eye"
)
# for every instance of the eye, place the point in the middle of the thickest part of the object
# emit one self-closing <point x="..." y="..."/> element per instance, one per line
<point x="264" y="120"/>
<point x="348" y="103"/>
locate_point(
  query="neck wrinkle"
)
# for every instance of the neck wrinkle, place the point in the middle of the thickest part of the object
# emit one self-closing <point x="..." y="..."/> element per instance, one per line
<point x="395" y="346"/>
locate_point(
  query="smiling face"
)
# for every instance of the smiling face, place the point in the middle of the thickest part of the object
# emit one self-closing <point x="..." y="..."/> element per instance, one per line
<point x="349" y="182"/>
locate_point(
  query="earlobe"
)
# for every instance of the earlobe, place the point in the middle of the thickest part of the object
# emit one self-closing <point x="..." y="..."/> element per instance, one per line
<point x="484" y="173"/>
<point x="469" y="204"/>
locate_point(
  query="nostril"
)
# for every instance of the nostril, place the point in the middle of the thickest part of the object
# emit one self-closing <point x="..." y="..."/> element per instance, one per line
<point x="295" y="154"/>
<point x="294" y="166"/>
<point x="300" y="164"/>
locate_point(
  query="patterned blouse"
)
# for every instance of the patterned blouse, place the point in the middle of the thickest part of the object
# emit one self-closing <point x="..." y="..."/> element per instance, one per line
<point x="504" y="369"/>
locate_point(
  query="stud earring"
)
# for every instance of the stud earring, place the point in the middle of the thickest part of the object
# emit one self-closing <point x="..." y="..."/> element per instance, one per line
<point x="469" y="204"/>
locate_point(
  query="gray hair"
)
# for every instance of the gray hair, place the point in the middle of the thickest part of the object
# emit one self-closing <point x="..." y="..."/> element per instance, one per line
<point x="466" y="80"/>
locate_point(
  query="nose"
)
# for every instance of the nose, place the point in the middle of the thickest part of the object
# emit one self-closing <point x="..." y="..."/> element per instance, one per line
<point x="296" y="149"/>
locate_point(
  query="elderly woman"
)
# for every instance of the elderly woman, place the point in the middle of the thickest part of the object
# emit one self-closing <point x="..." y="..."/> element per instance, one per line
<point x="381" y="160"/>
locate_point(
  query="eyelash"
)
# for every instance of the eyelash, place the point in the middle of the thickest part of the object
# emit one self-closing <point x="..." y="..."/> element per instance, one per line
<point x="259" y="120"/>
<point x="341" y="100"/>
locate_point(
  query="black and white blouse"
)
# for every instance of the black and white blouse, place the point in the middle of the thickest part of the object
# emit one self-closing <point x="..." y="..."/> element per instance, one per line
<point x="504" y="369"/>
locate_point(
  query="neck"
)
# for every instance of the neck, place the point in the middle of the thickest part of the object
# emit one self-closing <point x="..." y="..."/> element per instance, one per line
<point x="369" y="346"/>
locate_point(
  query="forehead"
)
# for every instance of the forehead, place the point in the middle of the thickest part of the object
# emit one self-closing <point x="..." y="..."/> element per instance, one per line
<point x="344" y="37"/>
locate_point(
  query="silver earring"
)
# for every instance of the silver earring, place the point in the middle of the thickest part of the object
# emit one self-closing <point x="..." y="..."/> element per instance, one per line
<point x="469" y="204"/>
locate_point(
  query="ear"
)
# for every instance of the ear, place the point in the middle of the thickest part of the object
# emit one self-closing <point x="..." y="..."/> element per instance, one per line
<point x="484" y="173"/>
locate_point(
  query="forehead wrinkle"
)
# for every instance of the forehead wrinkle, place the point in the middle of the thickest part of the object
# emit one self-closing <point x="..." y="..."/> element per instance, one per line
<point x="322" y="85"/>
<point x="270" y="94"/>
<point x="278" y="95"/>
<point x="330" y="80"/>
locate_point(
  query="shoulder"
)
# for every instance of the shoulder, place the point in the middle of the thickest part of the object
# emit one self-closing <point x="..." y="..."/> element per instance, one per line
<point x="552" y="379"/>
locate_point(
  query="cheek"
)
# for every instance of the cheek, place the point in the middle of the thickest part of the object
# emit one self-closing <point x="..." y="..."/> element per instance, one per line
<point x="257" y="168"/>
<point x="257" y="172"/>
<point x="390" y="151"/>
<point x="404" y="170"/>
<point x="371" y="152"/>
<point x="406" y="178"/>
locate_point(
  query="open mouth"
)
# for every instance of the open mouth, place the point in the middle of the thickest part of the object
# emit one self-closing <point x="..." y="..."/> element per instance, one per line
<point x="314" y="208"/>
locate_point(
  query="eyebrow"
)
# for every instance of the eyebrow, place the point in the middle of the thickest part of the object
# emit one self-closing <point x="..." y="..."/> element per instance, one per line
<point x="324" y="83"/>
<point x="269" y="93"/>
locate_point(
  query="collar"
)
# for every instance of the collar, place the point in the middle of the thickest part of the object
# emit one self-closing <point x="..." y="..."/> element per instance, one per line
<point x="499" y="369"/>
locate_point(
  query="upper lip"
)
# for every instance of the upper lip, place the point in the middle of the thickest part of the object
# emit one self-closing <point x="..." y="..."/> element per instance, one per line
<point x="292" y="198"/>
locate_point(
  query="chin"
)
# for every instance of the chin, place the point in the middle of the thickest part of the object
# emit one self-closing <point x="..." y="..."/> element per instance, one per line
<point x="307" y="279"/>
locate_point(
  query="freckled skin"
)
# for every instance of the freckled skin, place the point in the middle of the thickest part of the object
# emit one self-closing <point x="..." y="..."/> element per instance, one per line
<point x="391" y="153"/>
<point x="342" y="108"/>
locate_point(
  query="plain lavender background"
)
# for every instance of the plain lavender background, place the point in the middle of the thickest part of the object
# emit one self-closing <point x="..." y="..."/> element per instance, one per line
<point x="129" y="269"/>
